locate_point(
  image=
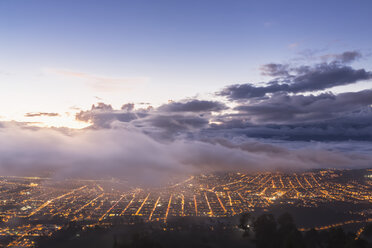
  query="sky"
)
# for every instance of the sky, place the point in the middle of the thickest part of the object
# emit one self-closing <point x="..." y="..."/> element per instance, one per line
<point x="230" y="75"/>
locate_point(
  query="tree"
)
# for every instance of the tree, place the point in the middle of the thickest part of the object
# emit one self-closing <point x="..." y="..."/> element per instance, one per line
<point x="288" y="235"/>
<point x="265" y="231"/>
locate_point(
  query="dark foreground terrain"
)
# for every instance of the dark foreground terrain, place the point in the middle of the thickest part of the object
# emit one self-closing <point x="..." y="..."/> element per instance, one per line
<point x="261" y="231"/>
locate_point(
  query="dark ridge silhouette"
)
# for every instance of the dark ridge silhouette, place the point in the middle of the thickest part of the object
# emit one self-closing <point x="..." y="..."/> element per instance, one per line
<point x="263" y="231"/>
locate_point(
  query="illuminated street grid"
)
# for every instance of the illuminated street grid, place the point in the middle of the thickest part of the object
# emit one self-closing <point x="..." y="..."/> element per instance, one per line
<point x="26" y="203"/>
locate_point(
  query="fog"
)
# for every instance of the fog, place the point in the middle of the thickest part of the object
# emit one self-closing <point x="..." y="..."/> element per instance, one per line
<point x="129" y="154"/>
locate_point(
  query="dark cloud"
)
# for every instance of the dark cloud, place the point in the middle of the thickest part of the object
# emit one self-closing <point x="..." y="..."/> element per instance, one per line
<point x="102" y="115"/>
<point x="247" y="91"/>
<point x="37" y="114"/>
<point x="168" y="127"/>
<point x="324" y="76"/>
<point x="299" y="108"/>
<point x="286" y="114"/>
<point x="193" y="106"/>
<point x="301" y="78"/>
<point x="325" y="117"/>
<point x="101" y="107"/>
<point x="345" y="129"/>
<point x="128" y="107"/>
<point x="168" y="119"/>
<point x="275" y="70"/>
<point x="345" y="57"/>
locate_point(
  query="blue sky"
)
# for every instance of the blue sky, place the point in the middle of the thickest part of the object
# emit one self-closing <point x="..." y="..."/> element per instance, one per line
<point x="56" y="56"/>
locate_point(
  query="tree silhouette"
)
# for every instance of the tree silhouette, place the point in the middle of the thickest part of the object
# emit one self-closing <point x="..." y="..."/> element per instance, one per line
<point x="265" y="231"/>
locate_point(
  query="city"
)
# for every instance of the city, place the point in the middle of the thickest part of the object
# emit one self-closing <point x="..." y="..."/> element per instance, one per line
<point x="33" y="207"/>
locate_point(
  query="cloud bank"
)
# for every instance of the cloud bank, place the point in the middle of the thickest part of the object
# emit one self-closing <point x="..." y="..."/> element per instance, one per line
<point x="137" y="158"/>
<point x="282" y="125"/>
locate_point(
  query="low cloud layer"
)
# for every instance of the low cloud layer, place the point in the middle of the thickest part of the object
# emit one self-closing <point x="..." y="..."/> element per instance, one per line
<point x="135" y="157"/>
